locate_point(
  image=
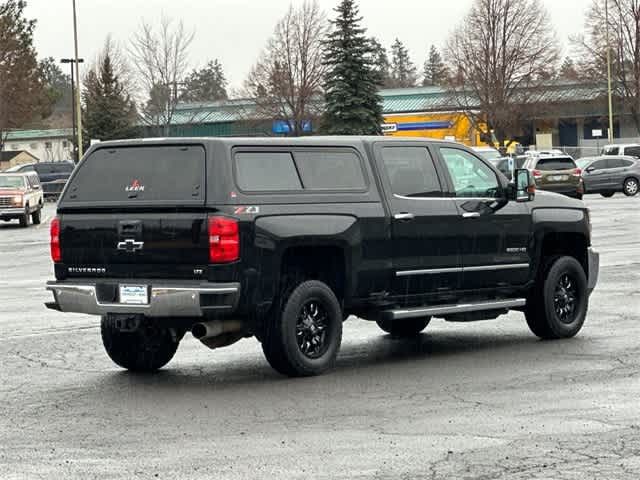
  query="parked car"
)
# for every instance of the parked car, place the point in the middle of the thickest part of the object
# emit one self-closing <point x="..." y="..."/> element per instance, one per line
<point x="628" y="150"/>
<point x="20" y="198"/>
<point x="488" y="153"/>
<point x="557" y="173"/>
<point x="499" y="161"/>
<point x="610" y="174"/>
<point x="53" y="175"/>
<point x="284" y="239"/>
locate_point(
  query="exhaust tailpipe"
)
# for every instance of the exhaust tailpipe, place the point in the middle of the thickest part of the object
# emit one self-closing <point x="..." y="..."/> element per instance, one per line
<point x="218" y="333"/>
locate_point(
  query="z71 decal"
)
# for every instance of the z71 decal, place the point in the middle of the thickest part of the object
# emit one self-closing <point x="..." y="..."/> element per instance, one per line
<point x="246" y="210"/>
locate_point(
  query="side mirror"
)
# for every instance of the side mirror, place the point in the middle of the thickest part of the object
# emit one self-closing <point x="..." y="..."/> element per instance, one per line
<point x="590" y="169"/>
<point x="523" y="187"/>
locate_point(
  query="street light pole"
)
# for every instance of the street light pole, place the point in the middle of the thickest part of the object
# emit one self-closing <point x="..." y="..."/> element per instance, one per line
<point x="77" y="96"/>
<point x="606" y="14"/>
<point x="74" y="141"/>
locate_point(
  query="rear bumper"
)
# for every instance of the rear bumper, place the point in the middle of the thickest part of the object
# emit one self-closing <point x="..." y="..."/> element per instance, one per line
<point x="594" y="270"/>
<point x="166" y="299"/>
<point x="569" y="192"/>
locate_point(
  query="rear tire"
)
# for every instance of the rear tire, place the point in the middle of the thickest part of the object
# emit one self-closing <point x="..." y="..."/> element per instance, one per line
<point x="607" y="194"/>
<point x="146" y="349"/>
<point x="36" y="217"/>
<point x="303" y="337"/>
<point x="558" y="305"/>
<point x="630" y="187"/>
<point x="404" y="328"/>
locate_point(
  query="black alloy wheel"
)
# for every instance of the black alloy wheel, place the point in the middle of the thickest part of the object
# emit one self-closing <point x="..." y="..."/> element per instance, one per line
<point x="565" y="299"/>
<point x="311" y="329"/>
<point x="558" y="302"/>
<point x="304" y="332"/>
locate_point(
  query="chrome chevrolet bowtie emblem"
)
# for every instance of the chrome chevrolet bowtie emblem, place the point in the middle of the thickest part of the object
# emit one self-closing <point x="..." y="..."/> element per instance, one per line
<point x="130" y="245"/>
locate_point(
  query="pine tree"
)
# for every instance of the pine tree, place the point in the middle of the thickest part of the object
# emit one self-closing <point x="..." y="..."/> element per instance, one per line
<point x="207" y="84"/>
<point x="403" y="71"/>
<point x="435" y="71"/>
<point x="568" y="70"/>
<point x="109" y="112"/>
<point x="22" y="92"/>
<point x="353" y="106"/>
<point x="380" y="61"/>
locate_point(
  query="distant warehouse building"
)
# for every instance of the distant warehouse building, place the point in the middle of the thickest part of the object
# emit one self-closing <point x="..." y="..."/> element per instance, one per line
<point x="571" y="115"/>
<point x="43" y="145"/>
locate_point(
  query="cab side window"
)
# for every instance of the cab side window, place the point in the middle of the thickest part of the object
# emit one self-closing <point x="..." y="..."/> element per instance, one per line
<point x="411" y="172"/>
<point x="471" y="177"/>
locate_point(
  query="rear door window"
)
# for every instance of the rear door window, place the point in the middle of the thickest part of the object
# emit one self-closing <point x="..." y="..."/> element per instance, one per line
<point x="330" y="170"/>
<point x="266" y="172"/>
<point x="555" y="163"/>
<point x="619" y="163"/>
<point x="411" y="172"/>
<point x="151" y="174"/>
<point x="632" y="151"/>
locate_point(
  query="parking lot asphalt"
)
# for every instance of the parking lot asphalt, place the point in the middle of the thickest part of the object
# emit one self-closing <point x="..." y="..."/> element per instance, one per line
<point x="482" y="400"/>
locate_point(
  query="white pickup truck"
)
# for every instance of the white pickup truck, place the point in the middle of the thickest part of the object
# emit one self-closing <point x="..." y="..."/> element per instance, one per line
<point x="21" y="197"/>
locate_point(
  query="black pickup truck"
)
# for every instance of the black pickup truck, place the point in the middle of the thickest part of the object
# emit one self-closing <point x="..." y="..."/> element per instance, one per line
<point x="283" y="239"/>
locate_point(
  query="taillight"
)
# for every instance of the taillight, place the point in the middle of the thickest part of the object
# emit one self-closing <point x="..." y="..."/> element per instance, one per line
<point x="224" y="240"/>
<point x="537" y="174"/>
<point x="56" y="252"/>
<point x="577" y="172"/>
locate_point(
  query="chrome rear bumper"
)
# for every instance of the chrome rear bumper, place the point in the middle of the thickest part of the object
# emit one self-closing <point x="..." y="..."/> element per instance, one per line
<point x="165" y="299"/>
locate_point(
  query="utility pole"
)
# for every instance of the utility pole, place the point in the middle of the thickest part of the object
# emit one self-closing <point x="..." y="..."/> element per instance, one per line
<point x="77" y="96"/>
<point x="606" y="14"/>
<point x="74" y="142"/>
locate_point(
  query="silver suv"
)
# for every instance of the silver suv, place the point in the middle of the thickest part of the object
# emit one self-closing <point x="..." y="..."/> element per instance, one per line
<point x="610" y="174"/>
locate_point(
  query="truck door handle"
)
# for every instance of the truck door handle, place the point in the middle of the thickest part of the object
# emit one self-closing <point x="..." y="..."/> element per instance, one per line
<point x="404" y="217"/>
<point x="471" y="215"/>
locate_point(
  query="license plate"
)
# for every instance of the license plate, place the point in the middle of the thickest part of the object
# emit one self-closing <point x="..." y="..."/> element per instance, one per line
<point x="134" y="294"/>
<point x="558" y="178"/>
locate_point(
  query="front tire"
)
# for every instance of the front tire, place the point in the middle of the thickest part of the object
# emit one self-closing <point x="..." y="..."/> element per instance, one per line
<point x="404" y="328"/>
<point x="630" y="187"/>
<point x="607" y="194"/>
<point x="24" y="218"/>
<point x="146" y="349"/>
<point x="303" y="337"/>
<point x="558" y="306"/>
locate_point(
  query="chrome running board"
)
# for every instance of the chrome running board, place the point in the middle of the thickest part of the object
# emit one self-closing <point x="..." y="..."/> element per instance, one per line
<point x="454" y="309"/>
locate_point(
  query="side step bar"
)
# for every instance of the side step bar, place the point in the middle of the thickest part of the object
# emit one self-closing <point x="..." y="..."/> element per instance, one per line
<point x="444" y="310"/>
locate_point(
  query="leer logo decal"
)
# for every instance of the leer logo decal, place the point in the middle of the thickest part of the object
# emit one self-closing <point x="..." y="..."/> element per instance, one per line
<point x="135" y="186"/>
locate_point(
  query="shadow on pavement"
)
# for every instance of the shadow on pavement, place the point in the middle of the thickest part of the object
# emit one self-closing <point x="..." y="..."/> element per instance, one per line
<point x="379" y="358"/>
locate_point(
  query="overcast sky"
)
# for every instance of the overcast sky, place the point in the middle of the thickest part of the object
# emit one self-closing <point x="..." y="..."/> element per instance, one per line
<point x="235" y="30"/>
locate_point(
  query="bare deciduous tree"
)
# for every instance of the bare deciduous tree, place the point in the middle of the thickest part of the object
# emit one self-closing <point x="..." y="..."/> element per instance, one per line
<point x="499" y="56"/>
<point x="624" y="42"/>
<point x="288" y="75"/>
<point x="161" y="58"/>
